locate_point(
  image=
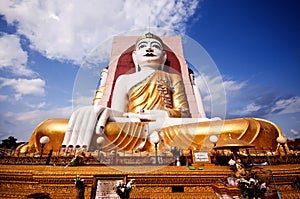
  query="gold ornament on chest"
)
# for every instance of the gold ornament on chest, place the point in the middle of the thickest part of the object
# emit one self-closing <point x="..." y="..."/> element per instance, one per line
<point x="166" y="92"/>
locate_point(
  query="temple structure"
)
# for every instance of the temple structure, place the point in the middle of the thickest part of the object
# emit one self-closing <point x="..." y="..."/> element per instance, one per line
<point x="148" y="123"/>
<point x="185" y="126"/>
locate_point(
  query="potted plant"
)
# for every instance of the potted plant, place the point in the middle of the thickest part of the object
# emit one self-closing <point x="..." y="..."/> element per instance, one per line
<point x="247" y="181"/>
<point x="123" y="189"/>
<point x="79" y="184"/>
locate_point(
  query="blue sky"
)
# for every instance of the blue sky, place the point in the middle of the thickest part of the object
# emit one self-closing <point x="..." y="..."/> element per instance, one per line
<point x="254" y="44"/>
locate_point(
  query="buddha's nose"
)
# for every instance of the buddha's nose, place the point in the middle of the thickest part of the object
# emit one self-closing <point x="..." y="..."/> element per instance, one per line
<point x="149" y="50"/>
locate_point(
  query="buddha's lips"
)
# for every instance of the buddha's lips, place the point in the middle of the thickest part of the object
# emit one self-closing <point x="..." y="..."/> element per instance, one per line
<point x="149" y="55"/>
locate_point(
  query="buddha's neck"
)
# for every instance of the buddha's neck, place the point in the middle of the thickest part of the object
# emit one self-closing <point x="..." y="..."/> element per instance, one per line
<point x="150" y="68"/>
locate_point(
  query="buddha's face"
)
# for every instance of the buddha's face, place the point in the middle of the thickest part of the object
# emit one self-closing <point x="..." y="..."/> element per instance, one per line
<point x="149" y="52"/>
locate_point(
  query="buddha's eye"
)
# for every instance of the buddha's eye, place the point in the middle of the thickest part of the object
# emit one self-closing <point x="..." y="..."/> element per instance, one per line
<point x="156" y="46"/>
<point x="142" y="46"/>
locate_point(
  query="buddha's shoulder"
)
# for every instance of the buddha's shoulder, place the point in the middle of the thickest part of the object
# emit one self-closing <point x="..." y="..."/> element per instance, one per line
<point x="175" y="77"/>
<point x="125" y="77"/>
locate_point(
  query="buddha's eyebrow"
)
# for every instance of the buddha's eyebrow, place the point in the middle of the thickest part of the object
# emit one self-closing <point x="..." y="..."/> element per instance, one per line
<point x="143" y="42"/>
<point x="156" y="42"/>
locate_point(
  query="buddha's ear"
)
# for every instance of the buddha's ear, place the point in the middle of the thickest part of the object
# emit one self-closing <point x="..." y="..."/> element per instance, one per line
<point x="137" y="68"/>
<point x="165" y="57"/>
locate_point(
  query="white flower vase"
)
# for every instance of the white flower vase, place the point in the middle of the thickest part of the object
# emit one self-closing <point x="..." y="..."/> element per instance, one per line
<point x="178" y="162"/>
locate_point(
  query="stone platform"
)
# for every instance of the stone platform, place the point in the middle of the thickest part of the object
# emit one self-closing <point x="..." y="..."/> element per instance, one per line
<point x="18" y="181"/>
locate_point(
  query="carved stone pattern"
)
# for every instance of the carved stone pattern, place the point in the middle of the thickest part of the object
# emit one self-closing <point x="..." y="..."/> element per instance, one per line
<point x="153" y="189"/>
<point x="200" y="189"/>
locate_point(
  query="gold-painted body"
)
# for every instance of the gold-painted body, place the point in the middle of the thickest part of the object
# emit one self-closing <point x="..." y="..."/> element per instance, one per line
<point x="54" y="128"/>
<point x="261" y="133"/>
<point x="125" y="136"/>
<point x="98" y="95"/>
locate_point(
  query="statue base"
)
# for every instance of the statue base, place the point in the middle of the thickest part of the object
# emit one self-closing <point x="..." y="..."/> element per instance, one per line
<point x="18" y="181"/>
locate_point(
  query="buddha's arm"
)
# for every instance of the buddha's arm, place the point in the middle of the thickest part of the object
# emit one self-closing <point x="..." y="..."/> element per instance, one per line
<point x="120" y="98"/>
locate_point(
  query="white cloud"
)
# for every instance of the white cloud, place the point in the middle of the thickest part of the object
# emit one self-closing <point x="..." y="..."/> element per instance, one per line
<point x="250" y="109"/>
<point x="81" y="101"/>
<point x="231" y="85"/>
<point x="34" y="117"/>
<point x="20" y="124"/>
<point x="3" y="98"/>
<point x="294" y="132"/>
<point x="36" y="106"/>
<point x="285" y="106"/>
<point x="214" y="88"/>
<point x="218" y="94"/>
<point x="24" y="86"/>
<point x="68" y="30"/>
<point x="12" y="56"/>
<point x="280" y="107"/>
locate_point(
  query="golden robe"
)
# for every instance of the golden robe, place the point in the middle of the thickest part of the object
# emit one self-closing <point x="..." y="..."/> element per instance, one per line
<point x="160" y="91"/>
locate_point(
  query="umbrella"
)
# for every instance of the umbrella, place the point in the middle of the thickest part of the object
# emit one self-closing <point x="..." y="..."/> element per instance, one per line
<point x="234" y="145"/>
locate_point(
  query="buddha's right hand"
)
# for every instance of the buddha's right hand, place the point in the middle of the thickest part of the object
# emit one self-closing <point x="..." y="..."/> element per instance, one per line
<point x="82" y="125"/>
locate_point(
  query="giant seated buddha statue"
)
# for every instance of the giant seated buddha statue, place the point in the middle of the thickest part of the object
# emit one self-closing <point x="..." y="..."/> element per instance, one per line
<point x="148" y="97"/>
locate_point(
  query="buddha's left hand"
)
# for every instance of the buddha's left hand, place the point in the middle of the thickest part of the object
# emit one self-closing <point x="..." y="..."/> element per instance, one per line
<point x="148" y="114"/>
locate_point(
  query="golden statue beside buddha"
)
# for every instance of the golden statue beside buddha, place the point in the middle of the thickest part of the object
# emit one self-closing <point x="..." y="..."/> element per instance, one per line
<point x="148" y="107"/>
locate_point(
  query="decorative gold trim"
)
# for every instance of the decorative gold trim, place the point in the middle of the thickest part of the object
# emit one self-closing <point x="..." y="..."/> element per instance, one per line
<point x="149" y="35"/>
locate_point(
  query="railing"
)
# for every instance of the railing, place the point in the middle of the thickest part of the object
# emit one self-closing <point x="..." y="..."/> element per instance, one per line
<point x="256" y="157"/>
<point x="274" y="182"/>
<point x="86" y="158"/>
